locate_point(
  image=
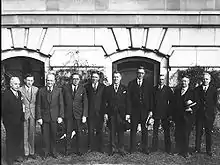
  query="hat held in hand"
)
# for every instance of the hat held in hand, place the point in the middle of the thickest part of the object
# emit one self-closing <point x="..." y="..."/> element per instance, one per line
<point x="189" y="104"/>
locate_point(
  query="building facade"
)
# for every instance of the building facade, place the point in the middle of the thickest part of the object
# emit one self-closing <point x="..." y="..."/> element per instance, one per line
<point x="161" y="35"/>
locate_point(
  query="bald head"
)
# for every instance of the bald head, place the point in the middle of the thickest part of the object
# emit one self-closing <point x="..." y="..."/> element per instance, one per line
<point x="15" y="83"/>
<point x="206" y="78"/>
<point x="50" y="80"/>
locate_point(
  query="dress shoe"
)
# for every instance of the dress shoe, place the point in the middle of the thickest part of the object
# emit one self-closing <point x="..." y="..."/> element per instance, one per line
<point x="209" y="153"/>
<point x="145" y="151"/>
<point x="32" y="156"/>
<point x="197" y="151"/>
<point x="54" y="155"/>
<point x="26" y="157"/>
<point x="78" y="153"/>
<point x="45" y="156"/>
<point x="122" y="152"/>
<point x="19" y="159"/>
<point x="67" y="153"/>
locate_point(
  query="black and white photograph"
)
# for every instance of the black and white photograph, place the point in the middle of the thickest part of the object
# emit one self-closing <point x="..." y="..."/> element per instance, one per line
<point x="110" y="82"/>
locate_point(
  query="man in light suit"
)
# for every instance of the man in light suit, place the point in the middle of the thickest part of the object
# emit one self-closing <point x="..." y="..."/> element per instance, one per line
<point x="139" y="101"/>
<point x="205" y="115"/>
<point x="50" y="110"/>
<point x="162" y="98"/>
<point x="183" y="115"/>
<point x="29" y="93"/>
<point x="13" y="117"/>
<point x="94" y="90"/>
<point x="115" y="101"/>
<point x="75" y="111"/>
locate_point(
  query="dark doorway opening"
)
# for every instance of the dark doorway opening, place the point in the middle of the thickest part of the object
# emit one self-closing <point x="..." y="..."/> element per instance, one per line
<point x="19" y="66"/>
<point x="128" y="67"/>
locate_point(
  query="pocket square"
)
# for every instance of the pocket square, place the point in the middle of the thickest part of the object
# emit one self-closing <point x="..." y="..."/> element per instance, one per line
<point x="124" y="91"/>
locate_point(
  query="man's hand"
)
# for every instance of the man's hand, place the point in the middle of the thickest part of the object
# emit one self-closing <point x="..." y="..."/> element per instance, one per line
<point x="59" y="120"/>
<point x="83" y="119"/>
<point x="105" y="117"/>
<point x="127" y="117"/>
<point x="40" y="121"/>
<point x="150" y="114"/>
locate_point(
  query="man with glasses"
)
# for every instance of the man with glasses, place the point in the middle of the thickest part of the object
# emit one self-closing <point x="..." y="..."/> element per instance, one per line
<point x="139" y="101"/>
<point x="183" y="111"/>
<point x="75" y="111"/>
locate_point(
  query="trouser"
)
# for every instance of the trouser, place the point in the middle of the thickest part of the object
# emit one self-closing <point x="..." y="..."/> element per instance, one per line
<point x="166" y="128"/>
<point x="49" y="136"/>
<point x="29" y="136"/>
<point x="14" y="141"/>
<point x="116" y="133"/>
<point x="183" y="127"/>
<point x="144" y="133"/>
<point x="95" y="125"/>
<point x="208" y="125"/>
<point x="72" y="124"/>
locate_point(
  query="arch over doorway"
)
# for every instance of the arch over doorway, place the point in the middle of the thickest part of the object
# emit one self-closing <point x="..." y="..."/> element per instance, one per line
<point x="19" y="66"/>
<point x="128" y="66"/>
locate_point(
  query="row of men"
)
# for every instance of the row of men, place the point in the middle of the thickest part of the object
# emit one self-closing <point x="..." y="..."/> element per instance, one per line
<point x="92" y="103"/>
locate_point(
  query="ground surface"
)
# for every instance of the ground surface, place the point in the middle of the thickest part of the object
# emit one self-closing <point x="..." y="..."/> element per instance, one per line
<point x="154" y="158"/>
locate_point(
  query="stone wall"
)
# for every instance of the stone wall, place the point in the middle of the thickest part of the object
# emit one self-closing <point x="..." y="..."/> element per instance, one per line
<point x="110" y="5"/>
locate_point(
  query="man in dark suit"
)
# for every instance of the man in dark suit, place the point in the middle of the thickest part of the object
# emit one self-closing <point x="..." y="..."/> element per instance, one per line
<point x="13" y="118"/>
<point x="205" y="115"/>
<point x="139" y="101"/>
<point x="50" y="110"/>
<point x="29" y="93"/>
<point x="115" y="108"/>
<point x="162" y="98"/>
<point x="94" y="90"/>
<point x="183" y="113"/>
<point x="75" y="111"/>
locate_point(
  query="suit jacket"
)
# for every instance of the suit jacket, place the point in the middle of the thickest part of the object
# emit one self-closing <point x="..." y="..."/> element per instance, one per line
<point x="179" y="103"/>
<point x="115" y="102"/>
<point x="95" y="99"/>
<point x="29" y="102"/>
<point x="12" y="112"/>
<point x="75" y="106"/>
<point x="162" y="99"/>
<point x="134" y="106"/>
<point x="207" y="102"/>
<point x="49" y="109"/>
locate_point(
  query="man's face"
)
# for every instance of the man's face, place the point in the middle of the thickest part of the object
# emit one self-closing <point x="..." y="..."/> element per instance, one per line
<point x="50" y="80"/>
<point x="140" y="73"/>
<point x="161" y="80"/>
<point x="116" y="78"/>
<point x="185" y="82"/>
<point x="206" y="79"/>
<point x="95" y="78"/>
<point x="15" y="84"/>
<point x="75" y="79"/>
<point x="29" y="81"/>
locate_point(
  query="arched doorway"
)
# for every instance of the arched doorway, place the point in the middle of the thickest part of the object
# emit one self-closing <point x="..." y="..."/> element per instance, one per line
<point x="19" y="66"/>
<point x="128" y="67"/>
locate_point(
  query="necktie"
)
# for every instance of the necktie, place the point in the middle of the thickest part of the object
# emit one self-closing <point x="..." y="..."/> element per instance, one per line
<point x="74" y="92"/>
<point x="16" y="94"/>
<point x="139" y="83"/>
<point x="183" y="91"/>
<point x="116" y="88"/>
<point x="204" y="88"/>
<point x="29" y="92"/>
<point x="94" y="87"/>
